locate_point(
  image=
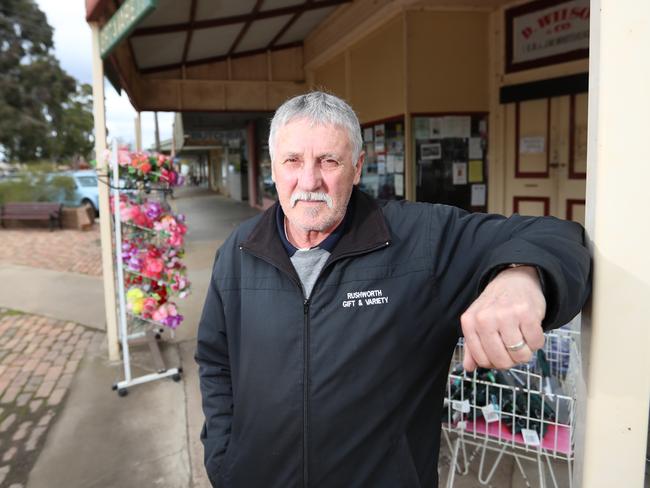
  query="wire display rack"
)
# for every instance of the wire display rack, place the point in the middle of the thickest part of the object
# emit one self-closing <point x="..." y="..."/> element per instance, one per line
<point x="133" y="330"/>
<point x="527" y="412"/>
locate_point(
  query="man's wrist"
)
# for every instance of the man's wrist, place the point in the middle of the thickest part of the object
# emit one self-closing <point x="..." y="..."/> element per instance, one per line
<point x="537" y="270"/>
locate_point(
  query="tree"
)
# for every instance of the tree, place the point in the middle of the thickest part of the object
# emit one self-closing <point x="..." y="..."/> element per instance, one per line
<point x="73" y="138"/>
<point x="39" y="101"/>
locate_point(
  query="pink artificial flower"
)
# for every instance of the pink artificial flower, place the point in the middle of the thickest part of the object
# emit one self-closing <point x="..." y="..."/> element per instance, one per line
<point x="175" y="239"/>
<point x="128" y="213"/>
<point x="160" y="314"/>
<point x="153" y="267"/>
<point x="140" y="218"/>
<point x="149" y="307"/>
<point x="123" y="156"/>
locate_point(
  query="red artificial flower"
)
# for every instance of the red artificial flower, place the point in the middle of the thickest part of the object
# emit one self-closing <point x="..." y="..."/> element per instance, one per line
<point x="145" y="167"/>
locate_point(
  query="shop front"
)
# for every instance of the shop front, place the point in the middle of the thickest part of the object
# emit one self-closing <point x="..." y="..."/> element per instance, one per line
<point x="481" y="104"/>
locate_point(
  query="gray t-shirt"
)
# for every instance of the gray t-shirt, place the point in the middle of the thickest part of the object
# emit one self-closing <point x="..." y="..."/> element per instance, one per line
<point x="308" y="264"/>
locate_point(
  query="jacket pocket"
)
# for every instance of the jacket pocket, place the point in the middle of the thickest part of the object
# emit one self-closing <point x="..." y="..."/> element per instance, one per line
<point x="226" y="464"/>
<point x="408" y="473"/>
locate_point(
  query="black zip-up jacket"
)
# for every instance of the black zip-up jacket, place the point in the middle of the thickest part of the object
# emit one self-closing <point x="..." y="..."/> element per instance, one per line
<point x="346" y="389"/>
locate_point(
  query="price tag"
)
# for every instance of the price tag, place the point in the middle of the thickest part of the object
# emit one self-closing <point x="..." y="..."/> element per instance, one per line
<point x="460" y="406"/>
<point x="530" y="436"/>
<point x="490" y="414"/>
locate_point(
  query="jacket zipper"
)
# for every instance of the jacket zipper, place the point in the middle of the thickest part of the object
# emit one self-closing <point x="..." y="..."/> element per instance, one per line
<point x="306" y="343"/>
<point x="305" y="399"/>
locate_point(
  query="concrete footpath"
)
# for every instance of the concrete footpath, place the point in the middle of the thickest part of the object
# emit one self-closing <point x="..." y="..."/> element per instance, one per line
<point x="56" y="294"/>
<point x="149" y="437"/>
<point x="67" y="428"/>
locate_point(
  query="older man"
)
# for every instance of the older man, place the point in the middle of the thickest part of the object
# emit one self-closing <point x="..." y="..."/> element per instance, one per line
<point x="331" y="318"/>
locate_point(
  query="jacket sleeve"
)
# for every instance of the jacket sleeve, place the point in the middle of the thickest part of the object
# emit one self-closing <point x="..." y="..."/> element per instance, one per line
<point x="215" y="379"/>
<point x="472" y="248"/>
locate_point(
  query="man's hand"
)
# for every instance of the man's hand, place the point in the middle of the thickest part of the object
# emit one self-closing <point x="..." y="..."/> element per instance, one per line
<point x="508" y="313"/>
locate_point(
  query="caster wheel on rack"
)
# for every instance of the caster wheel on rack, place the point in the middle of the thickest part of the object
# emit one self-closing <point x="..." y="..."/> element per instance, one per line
<point x="122" y="392"/>
<point x="176" y="377"/>
<point x="114" y="387"/>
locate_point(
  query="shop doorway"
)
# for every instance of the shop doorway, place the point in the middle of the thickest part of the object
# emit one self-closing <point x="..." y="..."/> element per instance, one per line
<point x="546" y="156"/>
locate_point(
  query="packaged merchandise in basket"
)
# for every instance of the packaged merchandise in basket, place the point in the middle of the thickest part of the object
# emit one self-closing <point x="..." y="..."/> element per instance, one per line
<point x="519" y="406"/>
<point x="141" y="169"/>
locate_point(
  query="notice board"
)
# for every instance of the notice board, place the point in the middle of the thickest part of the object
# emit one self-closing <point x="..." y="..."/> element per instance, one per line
<point x="451" y="159"/>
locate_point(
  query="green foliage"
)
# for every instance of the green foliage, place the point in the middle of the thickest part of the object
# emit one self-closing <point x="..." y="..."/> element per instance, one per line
<point x="61" y="187"/>
<point x="39" y="102"/>
<point x="37" y="187"/>
<point x="41" y="166"/>
<point x="21" y="189"/>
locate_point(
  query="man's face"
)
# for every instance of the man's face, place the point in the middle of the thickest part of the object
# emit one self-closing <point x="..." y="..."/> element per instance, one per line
<point x="314" y="173"/>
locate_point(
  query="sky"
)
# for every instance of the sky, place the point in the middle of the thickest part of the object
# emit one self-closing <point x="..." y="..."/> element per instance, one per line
<point x="72" y="46"/>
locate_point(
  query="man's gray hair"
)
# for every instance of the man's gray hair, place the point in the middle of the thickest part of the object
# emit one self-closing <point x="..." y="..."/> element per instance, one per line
<point x="321" y="109"/>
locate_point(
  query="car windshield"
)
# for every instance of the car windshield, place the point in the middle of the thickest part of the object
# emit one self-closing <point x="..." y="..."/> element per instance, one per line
<point x="87" y="180"/>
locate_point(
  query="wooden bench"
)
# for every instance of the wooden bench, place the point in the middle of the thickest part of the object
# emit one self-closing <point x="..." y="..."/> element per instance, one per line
<point x="32" y="211"/>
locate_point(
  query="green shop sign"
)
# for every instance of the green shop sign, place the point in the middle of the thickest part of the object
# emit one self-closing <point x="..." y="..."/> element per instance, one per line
<point x="123" y="21"/>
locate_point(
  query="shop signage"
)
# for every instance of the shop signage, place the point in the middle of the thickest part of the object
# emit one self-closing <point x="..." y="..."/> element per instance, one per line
<point x="123" y="21"/>
<point x="546" y="32"/>
<point x="198" y="137"/>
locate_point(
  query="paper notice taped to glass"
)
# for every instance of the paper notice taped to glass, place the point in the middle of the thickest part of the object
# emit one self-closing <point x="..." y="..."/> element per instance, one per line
<point x="531" y="145"/>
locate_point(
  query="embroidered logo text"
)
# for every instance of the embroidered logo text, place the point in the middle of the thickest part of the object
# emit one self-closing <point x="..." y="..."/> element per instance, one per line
<point x="364" y="298"/>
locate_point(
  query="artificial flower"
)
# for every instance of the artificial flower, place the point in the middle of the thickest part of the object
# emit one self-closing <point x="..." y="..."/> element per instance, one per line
<point x="135" y="300"/>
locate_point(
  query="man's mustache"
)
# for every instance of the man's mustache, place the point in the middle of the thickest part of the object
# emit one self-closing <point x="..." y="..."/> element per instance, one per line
<point x="311" y="197"/>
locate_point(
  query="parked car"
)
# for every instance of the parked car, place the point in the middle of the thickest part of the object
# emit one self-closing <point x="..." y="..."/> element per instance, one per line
<point x="76" y="188"/>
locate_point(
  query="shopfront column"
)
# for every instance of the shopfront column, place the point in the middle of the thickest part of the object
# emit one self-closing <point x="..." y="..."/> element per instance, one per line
<point x="108" y="269"/>
<point x="617" y="325"/>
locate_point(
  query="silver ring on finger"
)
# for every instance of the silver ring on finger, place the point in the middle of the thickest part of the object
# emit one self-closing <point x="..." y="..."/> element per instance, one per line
<point x="517" y="347"/>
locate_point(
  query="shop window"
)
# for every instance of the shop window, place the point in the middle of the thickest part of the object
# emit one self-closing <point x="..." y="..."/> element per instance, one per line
<point x="383" y="170"/>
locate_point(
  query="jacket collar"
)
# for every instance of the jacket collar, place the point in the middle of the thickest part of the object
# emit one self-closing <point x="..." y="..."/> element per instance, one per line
<point x="326" y="244"/>
<point x="365" y="231"/>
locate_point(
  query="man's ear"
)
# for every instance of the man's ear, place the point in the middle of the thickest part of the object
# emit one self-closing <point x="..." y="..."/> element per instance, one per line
<point x="359" y="167"/>
<point x="272" y="172"/>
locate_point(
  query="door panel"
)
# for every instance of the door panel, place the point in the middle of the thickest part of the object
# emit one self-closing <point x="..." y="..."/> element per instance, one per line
<point x="527" y="158"/>
<point x="537" y="206"/>
<point x="546" y="142"/>
<point x="532" y="127"/>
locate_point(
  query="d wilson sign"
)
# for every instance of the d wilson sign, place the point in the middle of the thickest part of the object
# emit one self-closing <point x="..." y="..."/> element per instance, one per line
<point x="546" y="32"/>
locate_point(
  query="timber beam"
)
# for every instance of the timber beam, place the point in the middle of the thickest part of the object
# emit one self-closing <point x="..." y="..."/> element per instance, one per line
<point x="214" y="95"/>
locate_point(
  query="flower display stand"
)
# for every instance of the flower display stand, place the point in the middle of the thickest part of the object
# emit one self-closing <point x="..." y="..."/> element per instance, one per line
<point x="148" y="244"/>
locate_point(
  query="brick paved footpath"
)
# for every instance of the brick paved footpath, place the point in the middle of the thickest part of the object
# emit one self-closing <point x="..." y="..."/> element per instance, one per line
<point x="38" y="360"/>
<point x="72" y="251"/>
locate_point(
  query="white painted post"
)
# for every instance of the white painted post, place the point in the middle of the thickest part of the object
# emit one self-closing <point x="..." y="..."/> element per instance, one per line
<point x="617" y="325"/>
<point x="138" y="132"/>
<point x="108" y="271"/>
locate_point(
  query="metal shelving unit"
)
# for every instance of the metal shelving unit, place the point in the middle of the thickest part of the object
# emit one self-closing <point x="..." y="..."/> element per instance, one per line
<point x="134" y="330"/>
